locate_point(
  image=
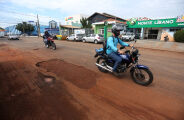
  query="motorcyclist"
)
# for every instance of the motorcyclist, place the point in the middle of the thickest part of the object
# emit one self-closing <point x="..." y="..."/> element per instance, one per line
<point x="46" y="36"/>
<point x="112" y="50"/>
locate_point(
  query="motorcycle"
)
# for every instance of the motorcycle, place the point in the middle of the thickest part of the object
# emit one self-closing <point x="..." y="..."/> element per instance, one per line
<point x="140" y="74"/>
<point x="166" y="38"/>
<point x="50" y="42"/>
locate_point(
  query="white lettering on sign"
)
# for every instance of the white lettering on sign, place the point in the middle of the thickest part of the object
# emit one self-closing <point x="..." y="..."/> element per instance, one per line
<point x="145" y="23"/>
<point x="155" y="22"/>
<point x="164" y="22"/>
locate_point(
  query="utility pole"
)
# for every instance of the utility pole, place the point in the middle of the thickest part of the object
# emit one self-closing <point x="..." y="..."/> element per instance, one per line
<point x="23" y="28"/>
<point x="59" y="28"/>
<point x="38" y="26"/>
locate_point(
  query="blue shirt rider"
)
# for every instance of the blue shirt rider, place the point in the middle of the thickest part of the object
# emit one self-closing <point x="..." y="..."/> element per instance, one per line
<point x="112" y="42"/>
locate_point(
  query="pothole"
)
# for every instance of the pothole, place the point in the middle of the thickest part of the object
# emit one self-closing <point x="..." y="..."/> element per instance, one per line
<point x="36" y="49"/>
<point x="49" y="79"/>
<point x="77" y="75"/>
<point x="44" y="80"/>
<point x="2" y="45"/>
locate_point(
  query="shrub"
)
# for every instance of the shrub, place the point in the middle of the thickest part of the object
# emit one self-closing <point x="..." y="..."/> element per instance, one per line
<point x="179" y="36"/>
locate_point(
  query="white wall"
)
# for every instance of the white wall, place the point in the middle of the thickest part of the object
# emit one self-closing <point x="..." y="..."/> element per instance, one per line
<point x="166" y="31"/>
<point x="2" y="33"/>
<point x="79" y="31"/>
<point x="76" y="19"/>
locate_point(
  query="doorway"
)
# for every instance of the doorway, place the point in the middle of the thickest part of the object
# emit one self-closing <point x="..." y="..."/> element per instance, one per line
<point x="152" y="34"/>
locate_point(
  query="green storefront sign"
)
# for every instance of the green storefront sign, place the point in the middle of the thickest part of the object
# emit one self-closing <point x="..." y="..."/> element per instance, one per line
<point x="133" y="23"/>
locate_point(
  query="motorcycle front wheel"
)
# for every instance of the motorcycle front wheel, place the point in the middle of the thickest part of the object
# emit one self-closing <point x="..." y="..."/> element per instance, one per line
<point x="142" y="76"/>
<point x="53" y="46"/>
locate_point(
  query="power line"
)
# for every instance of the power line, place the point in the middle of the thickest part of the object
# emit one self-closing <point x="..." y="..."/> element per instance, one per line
<point x="13" y="12"/>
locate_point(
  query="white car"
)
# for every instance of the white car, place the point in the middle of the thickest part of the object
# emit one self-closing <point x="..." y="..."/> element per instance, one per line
<point x="95" y="38"/>
<point x="128" y="37"/>
<point x="13" y="37"/>
<point x="75" y="37"/>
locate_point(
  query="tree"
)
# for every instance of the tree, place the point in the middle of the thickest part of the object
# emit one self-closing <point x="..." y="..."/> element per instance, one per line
<point x="25" y="28"/>
<point x="85" y="23"/>
<point x="1" y="28"/>
<point x="179" y="36"/>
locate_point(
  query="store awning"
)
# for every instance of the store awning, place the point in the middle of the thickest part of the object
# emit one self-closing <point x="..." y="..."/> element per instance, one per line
<point x="69" y="27"/>
<point x="171" y="22"/>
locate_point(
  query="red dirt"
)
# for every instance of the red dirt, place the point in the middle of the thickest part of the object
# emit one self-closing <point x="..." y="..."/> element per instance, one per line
<point x="37" y="83"/>
<point x="24" y="94"/>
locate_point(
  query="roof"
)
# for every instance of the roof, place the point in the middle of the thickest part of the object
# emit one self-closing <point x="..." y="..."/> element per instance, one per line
<point x="68" y="26"/>
<point x="100" y="23"/>
<point x="1" y="30"/>
<point x="117" y="21"/>
<point x="107" y="15"/>
<point x="110" y="21"/>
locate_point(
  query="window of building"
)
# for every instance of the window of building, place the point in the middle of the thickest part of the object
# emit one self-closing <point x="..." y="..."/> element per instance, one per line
<point x="102" y="31"/>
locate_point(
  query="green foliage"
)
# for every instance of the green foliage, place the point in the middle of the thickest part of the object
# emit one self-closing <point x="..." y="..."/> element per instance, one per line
<point x="85" y="23"/>
<point x="1" y="28"/>
<point x="179" y="36"/>
<point x="24" y="27"/>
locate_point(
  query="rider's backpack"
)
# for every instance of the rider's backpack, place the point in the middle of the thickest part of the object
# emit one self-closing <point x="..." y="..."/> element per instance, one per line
<point x="104" y="47"/>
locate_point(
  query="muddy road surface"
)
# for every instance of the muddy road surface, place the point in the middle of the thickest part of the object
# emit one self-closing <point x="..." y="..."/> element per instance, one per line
<point x="37" y="83"/>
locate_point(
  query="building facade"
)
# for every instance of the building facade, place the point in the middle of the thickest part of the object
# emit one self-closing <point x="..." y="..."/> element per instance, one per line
<point x="74" y="20"/>
<point x="99" y="26"/>
<point x="156" y="29"/>
<point x="98" y="19"/>
<point x="2" y="33"/>
<point x="52" y="28"/>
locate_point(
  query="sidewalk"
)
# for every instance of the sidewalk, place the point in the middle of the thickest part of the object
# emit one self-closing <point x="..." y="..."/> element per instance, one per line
<point x="161" y="45"/>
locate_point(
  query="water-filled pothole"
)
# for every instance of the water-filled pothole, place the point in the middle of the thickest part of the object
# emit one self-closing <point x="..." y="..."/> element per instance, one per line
<point x="44" y="80"/>
<point x="49" y="79"/>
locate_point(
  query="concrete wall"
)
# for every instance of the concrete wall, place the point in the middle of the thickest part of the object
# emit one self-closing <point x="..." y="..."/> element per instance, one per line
<point x="2" y="33"/>
<point x="166" y="31"/>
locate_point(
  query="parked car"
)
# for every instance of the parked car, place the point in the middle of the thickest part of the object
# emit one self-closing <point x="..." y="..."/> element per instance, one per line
<point x="128" y="36"/>
<point x="96" y="38"/>
<point x="75" y="37"/>
<point x="13" y="37"/>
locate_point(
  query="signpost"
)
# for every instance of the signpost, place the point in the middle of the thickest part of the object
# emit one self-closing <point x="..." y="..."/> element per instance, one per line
<point x="105" y="30"/>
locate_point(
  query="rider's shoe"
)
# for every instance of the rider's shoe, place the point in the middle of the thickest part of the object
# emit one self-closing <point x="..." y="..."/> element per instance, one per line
<point x="115" y="73"/>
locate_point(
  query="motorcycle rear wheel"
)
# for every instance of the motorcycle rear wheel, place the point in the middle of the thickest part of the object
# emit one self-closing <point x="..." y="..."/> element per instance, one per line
<point x="101" y="61"/>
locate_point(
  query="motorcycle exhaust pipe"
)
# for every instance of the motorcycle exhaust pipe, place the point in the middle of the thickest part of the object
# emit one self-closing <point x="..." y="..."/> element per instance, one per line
<point x="103" y="67"/>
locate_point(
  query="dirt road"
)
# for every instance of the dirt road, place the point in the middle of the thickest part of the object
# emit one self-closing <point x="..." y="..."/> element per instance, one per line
<point x="42" y="84"/>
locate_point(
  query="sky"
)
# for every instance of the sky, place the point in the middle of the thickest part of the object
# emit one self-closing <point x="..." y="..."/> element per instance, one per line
<point x="16" y="11"/>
